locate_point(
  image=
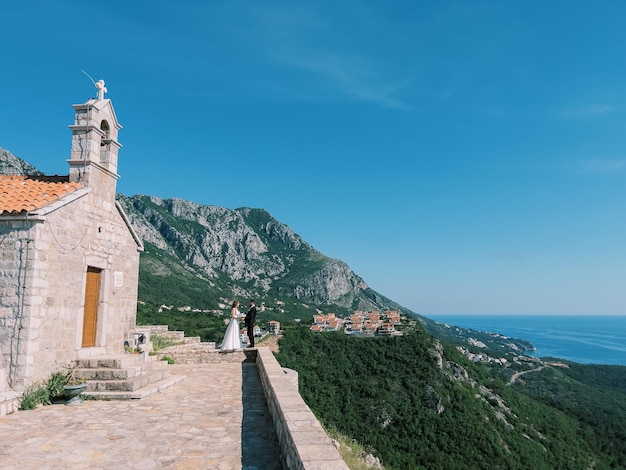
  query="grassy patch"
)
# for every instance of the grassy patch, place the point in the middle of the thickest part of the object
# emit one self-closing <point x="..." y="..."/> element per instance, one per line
<point x="161" y="342"/>
<point x="352" y="452"/>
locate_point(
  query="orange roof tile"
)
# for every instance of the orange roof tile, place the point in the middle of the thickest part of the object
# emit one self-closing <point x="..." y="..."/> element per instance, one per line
<point x="20" y="193"/>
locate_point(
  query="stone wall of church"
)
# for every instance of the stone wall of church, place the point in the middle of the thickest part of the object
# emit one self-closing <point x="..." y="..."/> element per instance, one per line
<point x="89" y="232"/>
<point x="14" y="251"/>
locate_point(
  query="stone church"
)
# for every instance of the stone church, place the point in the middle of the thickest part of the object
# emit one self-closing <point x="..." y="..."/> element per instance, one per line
<point x="69" y="258"/>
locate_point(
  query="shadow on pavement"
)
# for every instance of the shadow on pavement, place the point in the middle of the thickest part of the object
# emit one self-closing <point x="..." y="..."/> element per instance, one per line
<point x="259" y="444"/>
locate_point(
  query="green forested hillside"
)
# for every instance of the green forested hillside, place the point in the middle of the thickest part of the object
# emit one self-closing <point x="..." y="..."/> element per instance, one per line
<point x="411" y="401"/>
<point x="593" y="394"/>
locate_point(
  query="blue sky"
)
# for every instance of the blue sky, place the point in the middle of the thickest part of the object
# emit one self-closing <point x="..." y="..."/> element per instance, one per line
<point x="461" y="157"/>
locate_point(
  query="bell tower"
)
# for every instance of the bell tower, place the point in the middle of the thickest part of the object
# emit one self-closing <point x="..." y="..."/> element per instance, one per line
<point x="93" y="159"/>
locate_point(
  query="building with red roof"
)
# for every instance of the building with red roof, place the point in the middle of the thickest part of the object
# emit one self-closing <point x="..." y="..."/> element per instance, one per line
<point x="69" y="258"/>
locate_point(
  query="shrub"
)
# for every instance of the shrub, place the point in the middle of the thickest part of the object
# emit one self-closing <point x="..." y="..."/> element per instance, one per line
<point x="168" y="359"/>
<point x="33" y="396"/>
<point x="44" y="393"/>
<point x="55" y="384"/>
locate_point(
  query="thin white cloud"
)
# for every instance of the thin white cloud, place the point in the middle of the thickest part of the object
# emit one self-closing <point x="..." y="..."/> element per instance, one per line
<point x="601" y="218"/>
<point x="306" y="40"/>
<point x="602" y="166"/>
<point x="351" y="74"/>
<point x="587" y="112"/>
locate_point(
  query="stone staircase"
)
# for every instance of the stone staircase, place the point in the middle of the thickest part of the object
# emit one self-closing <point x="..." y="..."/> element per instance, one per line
<point x="175" y="337"/>
<point x="200" y="353"/>
<point x="189" y="350"/>
<point x="134" y="376"/>
<point x="125" y="377"/>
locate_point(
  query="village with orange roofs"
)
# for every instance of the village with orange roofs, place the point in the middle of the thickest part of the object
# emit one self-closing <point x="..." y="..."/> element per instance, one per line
<point x="360" y="323"/>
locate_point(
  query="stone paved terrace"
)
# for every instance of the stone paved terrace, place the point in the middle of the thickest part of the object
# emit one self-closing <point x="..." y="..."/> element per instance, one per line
<point x="199" y="423"/>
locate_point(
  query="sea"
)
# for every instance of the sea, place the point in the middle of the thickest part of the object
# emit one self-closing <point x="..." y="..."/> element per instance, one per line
<point x="586" y="339"/>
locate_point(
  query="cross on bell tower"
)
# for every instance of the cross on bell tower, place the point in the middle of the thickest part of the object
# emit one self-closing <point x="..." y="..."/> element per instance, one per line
<point x="101" y="89"/>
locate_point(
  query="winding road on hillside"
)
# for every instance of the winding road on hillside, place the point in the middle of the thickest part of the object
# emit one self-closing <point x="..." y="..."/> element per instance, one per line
<point x="515" y="376"/>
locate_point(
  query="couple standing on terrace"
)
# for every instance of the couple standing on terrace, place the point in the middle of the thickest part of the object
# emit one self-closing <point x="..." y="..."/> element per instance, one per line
<point x="232" y="338"/>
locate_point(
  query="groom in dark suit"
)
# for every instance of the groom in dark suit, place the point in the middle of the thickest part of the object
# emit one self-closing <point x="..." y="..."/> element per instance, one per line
<point x="250" y="321"/>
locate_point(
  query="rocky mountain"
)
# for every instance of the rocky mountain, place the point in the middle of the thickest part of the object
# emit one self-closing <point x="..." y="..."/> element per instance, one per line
<point x="242" y="252"/>
<point x="12" y="165"/>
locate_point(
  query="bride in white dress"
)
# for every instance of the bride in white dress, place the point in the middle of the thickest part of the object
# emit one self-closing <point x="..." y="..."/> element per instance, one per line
<point x="232" y="338"/>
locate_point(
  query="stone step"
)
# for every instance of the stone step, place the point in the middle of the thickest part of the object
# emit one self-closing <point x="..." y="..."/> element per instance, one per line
<point x="107" y="373"/>
<point x="130" y="384"/>
<point x="175" y="336"/>
<point x="178" y="337"/>
<point x="204" y="356"/>
<point x="123" y="375"/>
<point x="114" y="362"/>
<point x="189" y="347"/>
<point x="191" y="339"/>
<point x="144" y="392"/>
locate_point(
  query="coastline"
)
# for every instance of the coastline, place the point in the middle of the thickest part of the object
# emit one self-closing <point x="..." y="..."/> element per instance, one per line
<point x="585" y="339"/>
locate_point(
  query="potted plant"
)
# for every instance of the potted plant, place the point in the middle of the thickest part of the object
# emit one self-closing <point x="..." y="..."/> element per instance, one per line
<point x="130" y="350"/>
<point x="74" y="385"/>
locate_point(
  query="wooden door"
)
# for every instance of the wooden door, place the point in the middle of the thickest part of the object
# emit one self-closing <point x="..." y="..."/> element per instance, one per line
<point x="90" y="317"/>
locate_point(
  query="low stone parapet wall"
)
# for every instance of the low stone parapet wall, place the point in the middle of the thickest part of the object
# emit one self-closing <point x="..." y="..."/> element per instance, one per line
<point x="199" y="353"/>
<point x="154" y="329"/>
<point x="304" y="443"/>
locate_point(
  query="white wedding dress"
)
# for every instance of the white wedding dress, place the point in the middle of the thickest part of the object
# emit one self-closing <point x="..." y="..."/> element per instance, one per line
<point x="232" y="338"/>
